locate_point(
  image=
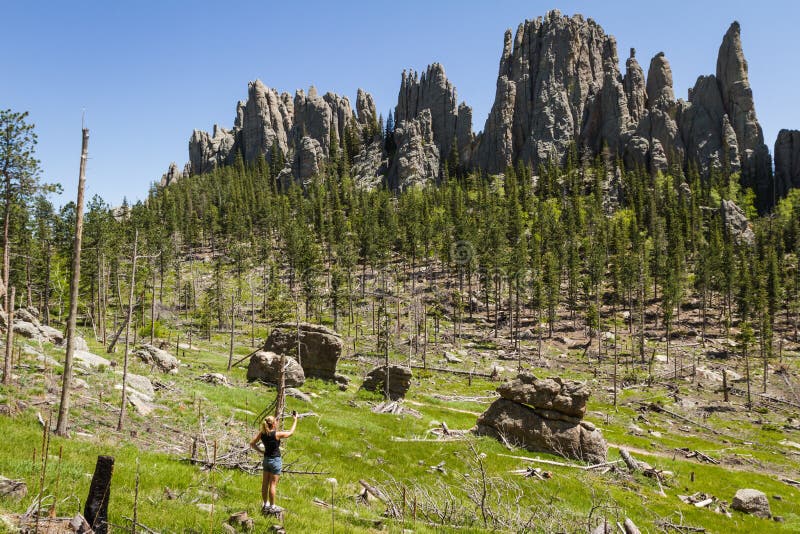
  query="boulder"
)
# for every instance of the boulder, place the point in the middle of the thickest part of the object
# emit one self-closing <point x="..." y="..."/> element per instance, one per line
<point x="215" y="379"/>
<point x="523" y="426"/>
<point x="89" y="361"/>
<point x="24" y="314"/>
<point x="265" y="367"/>
<point x="564" y="396"/>
<point x="26" y="329"/>
<point x="140" y="385"/>
<point x="12" y="489"/>
<point x="399" y="380"/>
<point x="753" y="502"/>
<point x="162" y="359"/>
<point x="320" y="347"/>
<point x="54" y="335"/>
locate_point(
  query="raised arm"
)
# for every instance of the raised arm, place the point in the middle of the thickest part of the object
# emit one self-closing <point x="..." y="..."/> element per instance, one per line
<point x="287" y="433"/>
<point x="254" y="442"/>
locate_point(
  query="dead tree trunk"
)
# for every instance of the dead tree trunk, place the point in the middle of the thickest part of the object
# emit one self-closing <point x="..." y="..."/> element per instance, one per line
<point x="74" y="289"/>
<point x="127" y="333"/>
<point x="96" y="509"/>
<point x="233" y="319"/>
<point x="9" y="338"/>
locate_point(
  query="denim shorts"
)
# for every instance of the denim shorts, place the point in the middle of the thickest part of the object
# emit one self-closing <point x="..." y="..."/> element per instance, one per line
<point x="273" y="464"/>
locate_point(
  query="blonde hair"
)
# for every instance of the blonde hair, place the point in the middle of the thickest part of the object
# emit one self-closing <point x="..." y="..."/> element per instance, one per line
<point x="268" y="424"/>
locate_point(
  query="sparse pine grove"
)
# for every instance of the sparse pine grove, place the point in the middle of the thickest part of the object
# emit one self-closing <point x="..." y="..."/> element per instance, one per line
<point x="628" y="281"/>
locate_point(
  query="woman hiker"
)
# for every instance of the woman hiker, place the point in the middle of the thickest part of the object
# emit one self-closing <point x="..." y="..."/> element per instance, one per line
<point x="271" y="438"/>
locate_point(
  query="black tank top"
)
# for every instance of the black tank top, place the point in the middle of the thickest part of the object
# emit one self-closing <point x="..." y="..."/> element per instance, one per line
<point x="272" y="446"/>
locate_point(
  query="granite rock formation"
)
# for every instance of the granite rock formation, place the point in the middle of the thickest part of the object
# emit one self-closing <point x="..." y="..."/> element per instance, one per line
<point x="417" y="160"/>
<point x="172" y="175"/>
<point x="559" y="87"/>
<point x="736" y="223"/>
<point x="559" y="84"/>
<point x="451" y="123"/>
<point x="544" y="415"/>
<point x="787" y="161"/>
<point x="302" y="128"/>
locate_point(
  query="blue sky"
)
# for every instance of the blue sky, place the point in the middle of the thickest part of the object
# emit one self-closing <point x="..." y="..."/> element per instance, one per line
<point x="148" y="73"/>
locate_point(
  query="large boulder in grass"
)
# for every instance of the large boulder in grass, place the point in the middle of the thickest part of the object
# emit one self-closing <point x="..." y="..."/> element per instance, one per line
<point x="523" y="426"/>
<point x="88" y="360"/>
<point x="320" y="347"/>
<point x="162" y="359"/>
<point x="265" y="367"/>
<point x="12" y="489"/>
<point x="26" y="329"/>
<point x="399" y="380"/>
<point x="54" y="335"/>
<point x="544" y="415"/>
<point x="753" y="502"/>
<point x="567" y="397"/>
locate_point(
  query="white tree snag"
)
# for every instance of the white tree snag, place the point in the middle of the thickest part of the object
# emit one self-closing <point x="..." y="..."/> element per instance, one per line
<point x="74" y="288"/>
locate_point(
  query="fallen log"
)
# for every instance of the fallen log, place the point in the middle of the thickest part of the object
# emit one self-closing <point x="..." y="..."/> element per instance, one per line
<point x="560" y="464"/>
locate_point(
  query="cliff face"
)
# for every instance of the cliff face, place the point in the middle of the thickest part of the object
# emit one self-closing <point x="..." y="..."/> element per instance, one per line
<point x="559" y="84"/>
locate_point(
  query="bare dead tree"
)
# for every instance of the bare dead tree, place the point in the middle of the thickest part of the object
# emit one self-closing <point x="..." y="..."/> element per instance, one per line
<point x="9" y="338"/>
<point x="74" y="288"/>
<point x="134" y="257"/>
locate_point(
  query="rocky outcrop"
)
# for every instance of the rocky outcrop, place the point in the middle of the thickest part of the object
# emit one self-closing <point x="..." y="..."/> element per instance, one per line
<point x="656" y="141"/>
<point x="320" y="347"/>
<point x="265" y="367"/>
<point x="302" y="128"/>
<point x="559" y="84"/>
<point x="451" y="123"/>
<point x="752" y="501"/>
<point x="309" y="158"/>
<point x="705" y="128"/>
<point x="399" y="380"/>
<point x="737" y="97"/>
<point x="365" y="109"/>
<point x="787" y="161"/>
<point x="370" y="166"/>
<point x="635" y="91"/>
<point x="736" y="223"/>
<point x="558" y="87"/>
<point x="548" y="73"/>
<point x="172" y="175"/>
<point x="546" y="416"/>
<point x="264" y="121"/>
<point x="207" y="152"/>
<point x="416" y="162"/>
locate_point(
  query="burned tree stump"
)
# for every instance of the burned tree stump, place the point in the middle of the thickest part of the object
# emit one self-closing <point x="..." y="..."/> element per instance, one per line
<point x="96" y="509"/>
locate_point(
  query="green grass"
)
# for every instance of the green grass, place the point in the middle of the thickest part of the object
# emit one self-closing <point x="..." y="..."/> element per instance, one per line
<point x="348" y="442"/>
